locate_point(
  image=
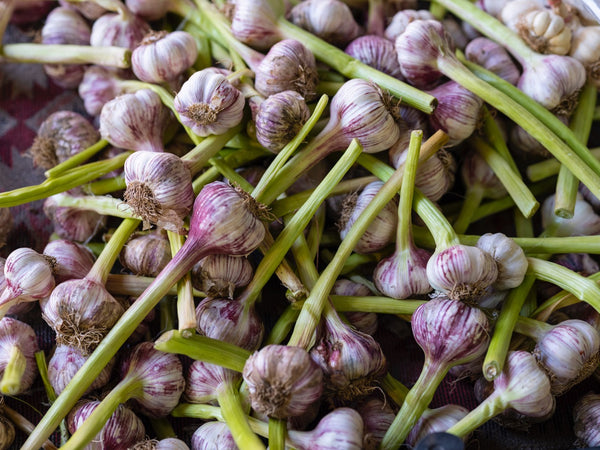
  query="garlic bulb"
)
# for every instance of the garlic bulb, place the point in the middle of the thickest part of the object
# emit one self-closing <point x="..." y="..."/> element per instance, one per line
<point x="18" y="345"/>
<point x="377" y="416"/>
<point x="213" y="435"/>
<point x="376" y="52"/>
<point x="121" y="30"/>
<point x="149" y="10"/>
<point x="545" y="32"/>
<point x="509" y="257"/>
<point x="585" y="47"/>
<point x="494" y="58"/>
<point x="435" y="420"/>
<point x="146" y="255"/>
<point x="159" y="189"/>
<point x="403" y="274"/>
<point x="88" y="9"/>
<point x="163" y="56"/>
<point x="282" y="381"/>
<point x="288" y="65"/>
<point x="203" y="381"/>
<point x="72" y="260"/>
<point x="586" y="415"/>
<point x="63" y="134"/>
<point x="402" y="18"/>
<point x="73" y="223"/>
<point x="254" y="22"/>
<point x="135" y="121"/>
<point x="331" y="20"/>
<point x="209" y="104"/>
<point x="220" y="275"/>
<point x="585" y="222"/>
<point x="98" y="86"/>
<point x="461" y="272"/>
<point x="513" y="11"/>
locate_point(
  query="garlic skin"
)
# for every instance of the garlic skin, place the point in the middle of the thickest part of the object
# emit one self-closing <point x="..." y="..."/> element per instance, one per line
<point x="545" y="32"/>
<point x="509" y="257"/>
<point x="135" y="121"/>
<point x="209" y="104"/>
<point x="220" y="275"/>
<point x="17" y="336"/>
<point x="279" y="119"/>
<point x="512" y="12"/>
<point x="282" y="381"/>
<point x="148" y="10"/>
<point x="146" y="255"/>
<point x="377" y="416"/>
<point x="331" y="20"/>
<point x="494" y="58"/>
<point x="403" y="274"/>
<point x="98" y="86"/>
<point x="254" y="22"/>
<point x="381" y="231"/>
<point x="163" y="56"/>
<point x="204" y="379"/>
<point x="435" y="420"/>
<point x="72" y="260"/>
<point x="376" y="52"/>
<point x="402" y="18"/>
<point x="122" y="430"/>
<point x="7" y="433"/>
<point x="159" y="189"/>
<point x="65" y="26"/>
<point x="363" y="321"/>
<point x="288" y="65"/>
<point x="585" y="47"/>
<point x="584" y="222"/>
<point x="457" y="113"/>
<point x="66" y="361"/>
<point x="73" y="223"/>
<point x="61" y="135"/>
<point x="88" y="9"/>
<point x="586" y="415"/>
<point x="119" y="30"/>
<point x="163" y="444"/>
<point x="461" y="272"/>
<point x="213" y="435"/>
<point x="569" y="352"/>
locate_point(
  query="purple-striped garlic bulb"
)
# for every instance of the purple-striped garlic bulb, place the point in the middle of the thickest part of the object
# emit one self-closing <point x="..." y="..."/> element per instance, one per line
<point x="461" y="272"/>
<point x="220" y="275"/>
<point x="65" y="26"/>
<point x="510" y="259"/>
<point x="120" y="30"/>
<point x="135" y="121"/>
<point x="163" y="56"/>
<point x="282" y="381"/>
<point x="213" y="435"/>
<point x="457" y="113"/>
<point x="18" y="345"/>
<point x="159" y="189"/>
<point x="279" y="118"/>
<point x="71" y="260"/>
<point x="376" y="52"/>
<point x="122" y="430"/>
<point x="569" y="352"/>
<point x="147" y="254"/>
<point x="493" y="57"/>
<point x="81" y="312"/>
<point x="381" y="231"/>
<point x="288" y="65"/>
<point x="29" y="276"/>
<point x="230" y="321"/>
<point x="435" y="420"/>
<point x="402" y="18"/>
<point x="73" y="223"/>
<point x="149" y="10"/>
<point x="209" y="104"/>
<point x="64" y="364"/>
<point x="254" y="22"/>
<point x="586" y="415"/>
<point x="377" y="416"/>
<point x="204" y="380"/>
<point x="63" y="134"/>
<point x="98" y="86"/>
<point x="363" y="321"/>
<point x="331" y="20"/>
<point x="163" y="444"/>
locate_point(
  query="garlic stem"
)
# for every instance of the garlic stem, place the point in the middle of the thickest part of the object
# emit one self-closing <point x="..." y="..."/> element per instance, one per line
<point x="283" y="326"/>
<point x="129" y="387"/>
<point x="510" y="178"/>
<point x="473" y="196"/>
<point x="300" y="220"/>
<point x="559" y="300"/>
<point x="549" y="167"/>
<point x="231" y="175"/>
<point x="237" y="420"/>
<point x="40" y="359"/>
<point x="490" y="407"/>
<point x="380" y="305"/>
<point x="303" y="334"/>
<point x="66" y="54"/>
<point x="404" y="240"/>
<point x="581" y="124"/>
<point x="103" y="265"/>
<point x="394" y="389"/>
<point x="199" y="156"/>
<point x="277" y="433"/>
<point x="532" y="328"/>
<point x="204" y="349"/>
<point x="494" y="136"/>
<point x="581" y="287"/>
<point x="105" y="185"/>
<point x="186" y="309"/>
<point x="70" y="179"/>
<point x="13" y="372"/>
<point x="109" y="206"/>
<point x="495" y="357"/>
<point x="353" y="68"/>
<point x="76" y="160"/>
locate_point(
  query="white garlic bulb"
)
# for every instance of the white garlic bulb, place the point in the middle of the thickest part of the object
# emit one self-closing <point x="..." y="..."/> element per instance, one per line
<point x="510" y="259"/>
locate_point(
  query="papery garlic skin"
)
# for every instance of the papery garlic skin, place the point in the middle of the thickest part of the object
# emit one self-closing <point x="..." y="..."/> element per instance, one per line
<point x="509" y="257"/>
<point x="288" y="65"/>
<point x="213" y="435"/>
<point x="585" y="47"/>
<point x="220" y="275"/>
<point x="282" y="381"/>
<point x="149" y="10"/>
<point x="494" y="58"/>
<point x="461" y="272"/>
<point x="376" y="52"/>
<point x="146" y="255"/>
<point x="254" y="22"/>
<point x="435" y="420"/>
<point x="403" y="274"/>
<point x="159" y="189"/>
<point x="66" y="361"/>
<point x="209" y="104"/>
<point x="331" y="20"/>
<point x="98" y="86"/>
<point x="402" y="18"/>
<point x="377" y="416"/>
<point x="586" y="415"/>
<point x="585" y="222"/>
<point x="135" y="121"/>
<point x="72" y="260"/>
<point x="203" y="381"/>
<point x="120" y="30"/>
<point x="569" y="352"/>
<point x="163" y="56"/>
<point x="20" y="337"/>
<point x="123" y="429"/>
<point x="72" y="223"/>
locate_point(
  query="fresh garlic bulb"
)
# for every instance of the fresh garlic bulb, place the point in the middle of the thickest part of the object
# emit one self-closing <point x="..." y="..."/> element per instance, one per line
<point x="204" y="380"/>
<point x="213" y="435"/>
<point x="121" y="30"/>
<point x="72" y="260"/>
<point x="18" y="346"/>
<point x="585" y="47"/>
<point x="209" y="104"/>
<point x="585" y="222"/>
<point x="586" y="415"/>
<point x="435" y="420"/>
<point x="220" y="275"/>
<point x="98" y="86"/>
<point x="494" y="58"/>
<point x="512" y="12"/>
<point x="402" y="18"/>
<point x="146" y="255"/>
<point x="545" y="32"/>
<point x="376" y="52"/>
<point x="509" y="257"/>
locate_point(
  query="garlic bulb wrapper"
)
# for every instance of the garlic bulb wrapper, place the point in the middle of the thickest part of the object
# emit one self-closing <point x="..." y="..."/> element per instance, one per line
<point x="120" y="30"/>
<point x="220" y="275"/>
<point x="72" y="260"/>
<point x="18" y="345"/>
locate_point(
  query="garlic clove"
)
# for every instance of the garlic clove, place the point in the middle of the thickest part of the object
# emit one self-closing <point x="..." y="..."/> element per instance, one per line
<point x="509" y="257"/>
